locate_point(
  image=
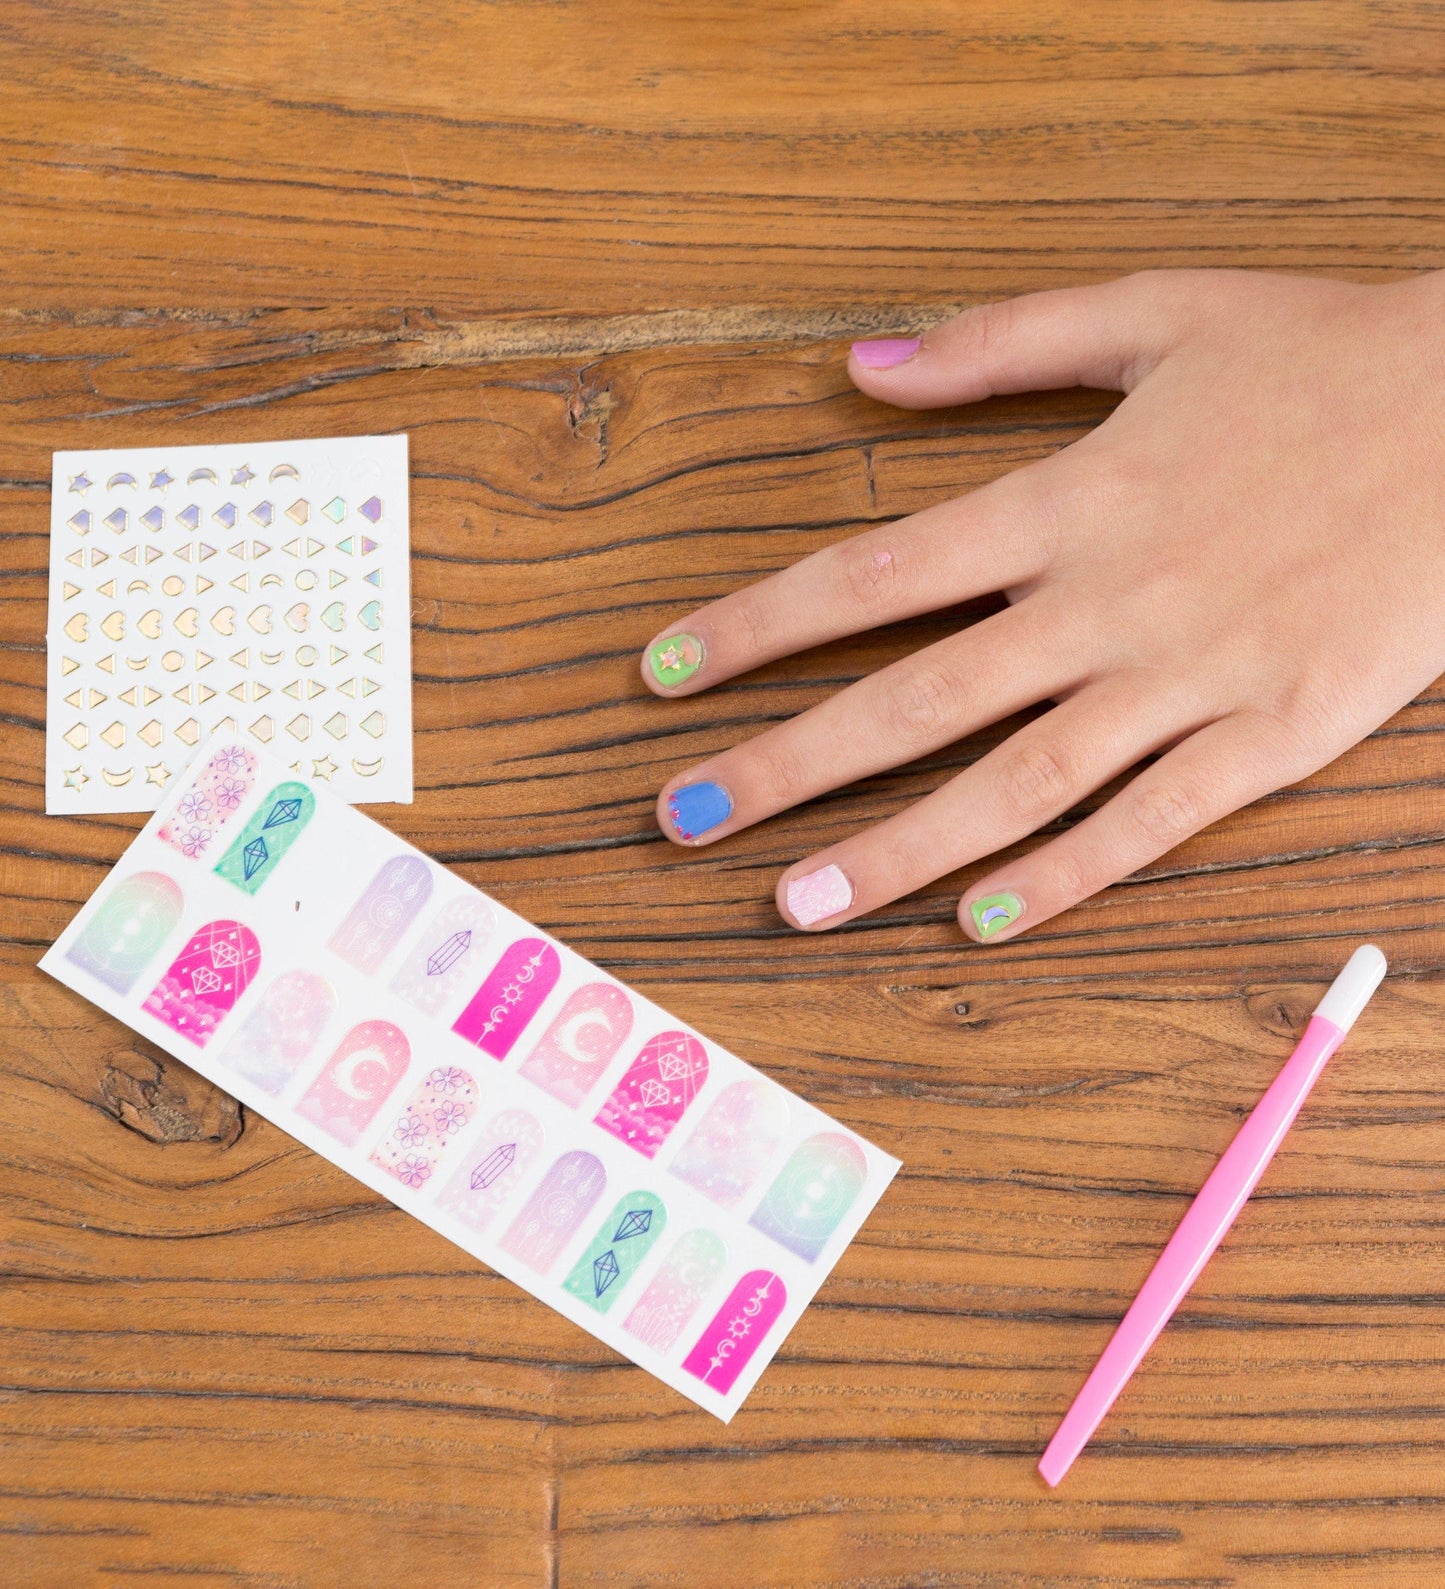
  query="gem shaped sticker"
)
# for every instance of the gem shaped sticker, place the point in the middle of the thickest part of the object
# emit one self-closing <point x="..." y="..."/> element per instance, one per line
<point x="443" y="960"/>
<point x="356" y="1080"/>
<point x="734" y="1141"/>
<point x="514" y="991"/>
<point x="375" y="923"/>
<point x="812" y="1192"/>
<point x="281" y="1029"/>
<point x="657" y="1088"/>
<point x="581" y="1042"/>
<point x="737" y="1330"/>
<point x="555" y="1210"/>
<point x="600" y="1275"/>
<point x="434" y="1117"/>
<point x="208" y="804"/>
<point x="257" y="850"/>
<point x="493" y="1169"/>
<point x="134" y="920"/>
<point x="206" y="979"/>
<point x="677" y="1290"/>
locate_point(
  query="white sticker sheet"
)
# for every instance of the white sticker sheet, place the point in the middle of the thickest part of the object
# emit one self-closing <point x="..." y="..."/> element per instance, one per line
<point x="670" y="1199"/>
<point x="257" y="587"/>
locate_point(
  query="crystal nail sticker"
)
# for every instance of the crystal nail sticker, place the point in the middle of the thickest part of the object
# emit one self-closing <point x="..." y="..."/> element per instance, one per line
<point x="279" y="1031"/>
<point x="514" y="991"/>
<point x="443" y="960"/>
<point x="354" y="1083"/>
<point x="495" y="1166"/>
<point x="601" y="1274"/>
<point x="432" y="1121"/>
<point x="256" y="851"/>
<point x="136" y="918"/>
<point x="555" y="1210"/>
<point x="657" y="1088"/>
<point x="688" y="1275"/>
<point x="214" y="795"/>
<point x="737" y="1330"/>
<point x="205" y="980"/>
<point x="376" y="922"/>
<point x="580" y="1043"/>
<point x="734" y="1141"/>
<point x="812" y="1193"/>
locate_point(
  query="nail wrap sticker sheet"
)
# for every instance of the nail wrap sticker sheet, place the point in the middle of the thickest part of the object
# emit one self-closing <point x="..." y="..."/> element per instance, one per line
<point x="260" y="587"/>
<point x="666" y="1197"/>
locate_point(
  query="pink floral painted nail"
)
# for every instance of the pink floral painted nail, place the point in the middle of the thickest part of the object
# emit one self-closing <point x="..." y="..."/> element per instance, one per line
<point x="817" y="895"/>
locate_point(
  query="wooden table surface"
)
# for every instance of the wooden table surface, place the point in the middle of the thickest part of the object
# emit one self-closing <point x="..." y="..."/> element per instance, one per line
<point x="601" y="262"/>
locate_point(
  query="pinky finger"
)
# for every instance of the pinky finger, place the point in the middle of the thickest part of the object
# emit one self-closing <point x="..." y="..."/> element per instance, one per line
<point x="1215" y="771"/>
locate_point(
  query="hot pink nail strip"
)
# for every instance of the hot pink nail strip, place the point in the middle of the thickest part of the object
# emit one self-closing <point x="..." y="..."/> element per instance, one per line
<point x="734" y="1141"/>
<point x="206" y="979"/>
<point x="444" y="961"/>
<point x="435" y="1116"/>
<point x="555" y="1210"/>
<point x="281" y="1029"/>
<point x="376" y="922"/>
<point x="494" y="1168"/>
<point x="512" y="994"/>
<point x="812" y="1193"/>
<point x="677" y="1290"/>
<point x="656" y="1090"/>
<point x="215" y="794"/>
<point x="738" y="1329"/>
<point x="581" y="1042"/>
<point x="354" y="1083"/>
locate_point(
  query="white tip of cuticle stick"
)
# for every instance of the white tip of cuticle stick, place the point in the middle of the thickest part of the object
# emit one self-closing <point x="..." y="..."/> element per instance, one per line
<point x="1352" y="990"/>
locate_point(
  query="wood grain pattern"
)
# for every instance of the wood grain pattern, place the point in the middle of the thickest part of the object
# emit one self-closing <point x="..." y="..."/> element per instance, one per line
<point x="600" y="262"/>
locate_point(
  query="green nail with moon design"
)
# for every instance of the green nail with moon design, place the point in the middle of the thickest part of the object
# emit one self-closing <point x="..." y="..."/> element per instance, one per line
<point x="675" y="659"/>
<point x="994" y="912"/>
<point x="277" y="824"/>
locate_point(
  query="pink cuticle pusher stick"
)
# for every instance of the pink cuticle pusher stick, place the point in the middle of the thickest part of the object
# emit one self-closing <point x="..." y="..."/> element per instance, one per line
<point x="1213" y="1211"/>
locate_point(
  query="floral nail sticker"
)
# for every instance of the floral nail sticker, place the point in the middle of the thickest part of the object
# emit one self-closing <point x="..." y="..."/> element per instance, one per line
<point x="443" y="961"/>
<point x="257" y="850"/>
<point x="493" y="1169"/>
<point x="512" y="994"/>
<point x="581" y="1042"/>
<point x="601" y="1274"/>
<point x="357" y="1079"/>
<point x="375" y="923"/>
<point x="432" y="1120"/>
<point x="737" y="1330"/>
<point x="555" y="1210"/>
<point x="133" y="921"/>
<point x="205" y="980"/>
<point x="813" y="1191"/>
<point x="281" y="1029"/>
<point x="214" y="795"/>
<point x="658" y="1086"/>
<point x="677" y="1290"/>
<point x="734" y="1141"/>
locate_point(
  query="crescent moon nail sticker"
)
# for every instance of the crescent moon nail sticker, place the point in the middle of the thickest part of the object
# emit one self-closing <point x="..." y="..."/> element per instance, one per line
<point x="434" y="1117"/>
<point x="443" y="961"/>
<point x="737" y="1330"/>
<point x="812" y="1193"/>
<point x="678" y="1289"/>
<point x="493" y="1169"/>
<point x="354" y="1083"/>
<point x="128" y="929"/>
<point x="616" y="1252"/>
<point x="280" y="1030"/>
<point x="375" y="923"/>
<point x="205" y="980"/>
<point x="513" y="992"/>
<point x="555" y="1210"/>
<point x="209" y="801"/>
<point x="257" y="850"/>
<point x="580" y="1043"/>
<point x="655" y="1091"/>
<point x="734" y="1141"/>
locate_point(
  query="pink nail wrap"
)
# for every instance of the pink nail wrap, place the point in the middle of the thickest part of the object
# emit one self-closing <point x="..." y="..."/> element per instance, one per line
<point x="443" y="962"/>
<point x="214" y="796"/>
<point x="733" y="1142"/>
<point x="677" y="1290"/>
<point x="515" y="990"/>
<point x="206" y="979"/>
<point x="738" y="1329"/>
<point x="434" y="1118"/>
<point x="376" y="922"/>
<point x="494" y="1168"/>
<point x="281" y="1029"/>
<point x="655" y="1092"/>
<point x="555" y="1210"/>
<point x="354" y="1083"/>
<point x="580" y="1043"/>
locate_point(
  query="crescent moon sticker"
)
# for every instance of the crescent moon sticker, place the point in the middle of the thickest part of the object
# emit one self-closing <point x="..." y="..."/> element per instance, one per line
<point x="121" y="479"/>
<point x="202" y="474"/>
<point x="567" y="1034"/>
<point x="117" y="780"/>
<point x="284" y="471"/>
<point x="367" y="769"/>
<point x="139" y="585"/>
<point x="344" y="1077"/>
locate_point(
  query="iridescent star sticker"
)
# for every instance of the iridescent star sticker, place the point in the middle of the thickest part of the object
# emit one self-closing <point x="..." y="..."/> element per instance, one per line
<point x="242" y="476"/>
<point x="323" y="768"/>
<point x="75" y="778"/>
<point x="159" y="775"/>
<point x="80" y="482"/>
<point x="160" y="480"/>
<point x="669" y="658"/>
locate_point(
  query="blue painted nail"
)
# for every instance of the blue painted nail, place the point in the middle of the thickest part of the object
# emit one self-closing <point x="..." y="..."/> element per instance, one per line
<point x="697" y="808"/>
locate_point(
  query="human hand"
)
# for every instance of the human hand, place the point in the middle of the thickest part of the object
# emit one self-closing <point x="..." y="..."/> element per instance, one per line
<point x="1241" y="568"/>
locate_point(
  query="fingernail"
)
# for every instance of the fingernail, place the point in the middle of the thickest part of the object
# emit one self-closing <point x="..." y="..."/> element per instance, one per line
<point x="817" y="895"/>
<point x="884" y="352"/>
<point x="698" y="808"/>
<point x="994" y="912"/>
<point x="675" y="659"/>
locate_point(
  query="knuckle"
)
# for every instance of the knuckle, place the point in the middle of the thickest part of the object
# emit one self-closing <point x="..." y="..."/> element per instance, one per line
<point x="869" y="576"/>
<point x="753" y="626"/>
<point x="1071" y="880"/>
<point x="924" y="705"/>
<point x="778" y="773"/>
<point x="982" y="332"/>
<point x="1166" y="813"/>
<point x="1034" y="784"/>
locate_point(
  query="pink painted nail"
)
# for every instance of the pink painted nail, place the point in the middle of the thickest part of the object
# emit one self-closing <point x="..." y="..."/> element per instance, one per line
<point x="884" y="352"/>
<point x="818" y="895"/>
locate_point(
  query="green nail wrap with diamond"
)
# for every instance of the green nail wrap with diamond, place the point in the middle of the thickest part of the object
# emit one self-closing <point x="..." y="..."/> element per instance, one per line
<point x="675" y="659"/>
<point x="993" y="912"/>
